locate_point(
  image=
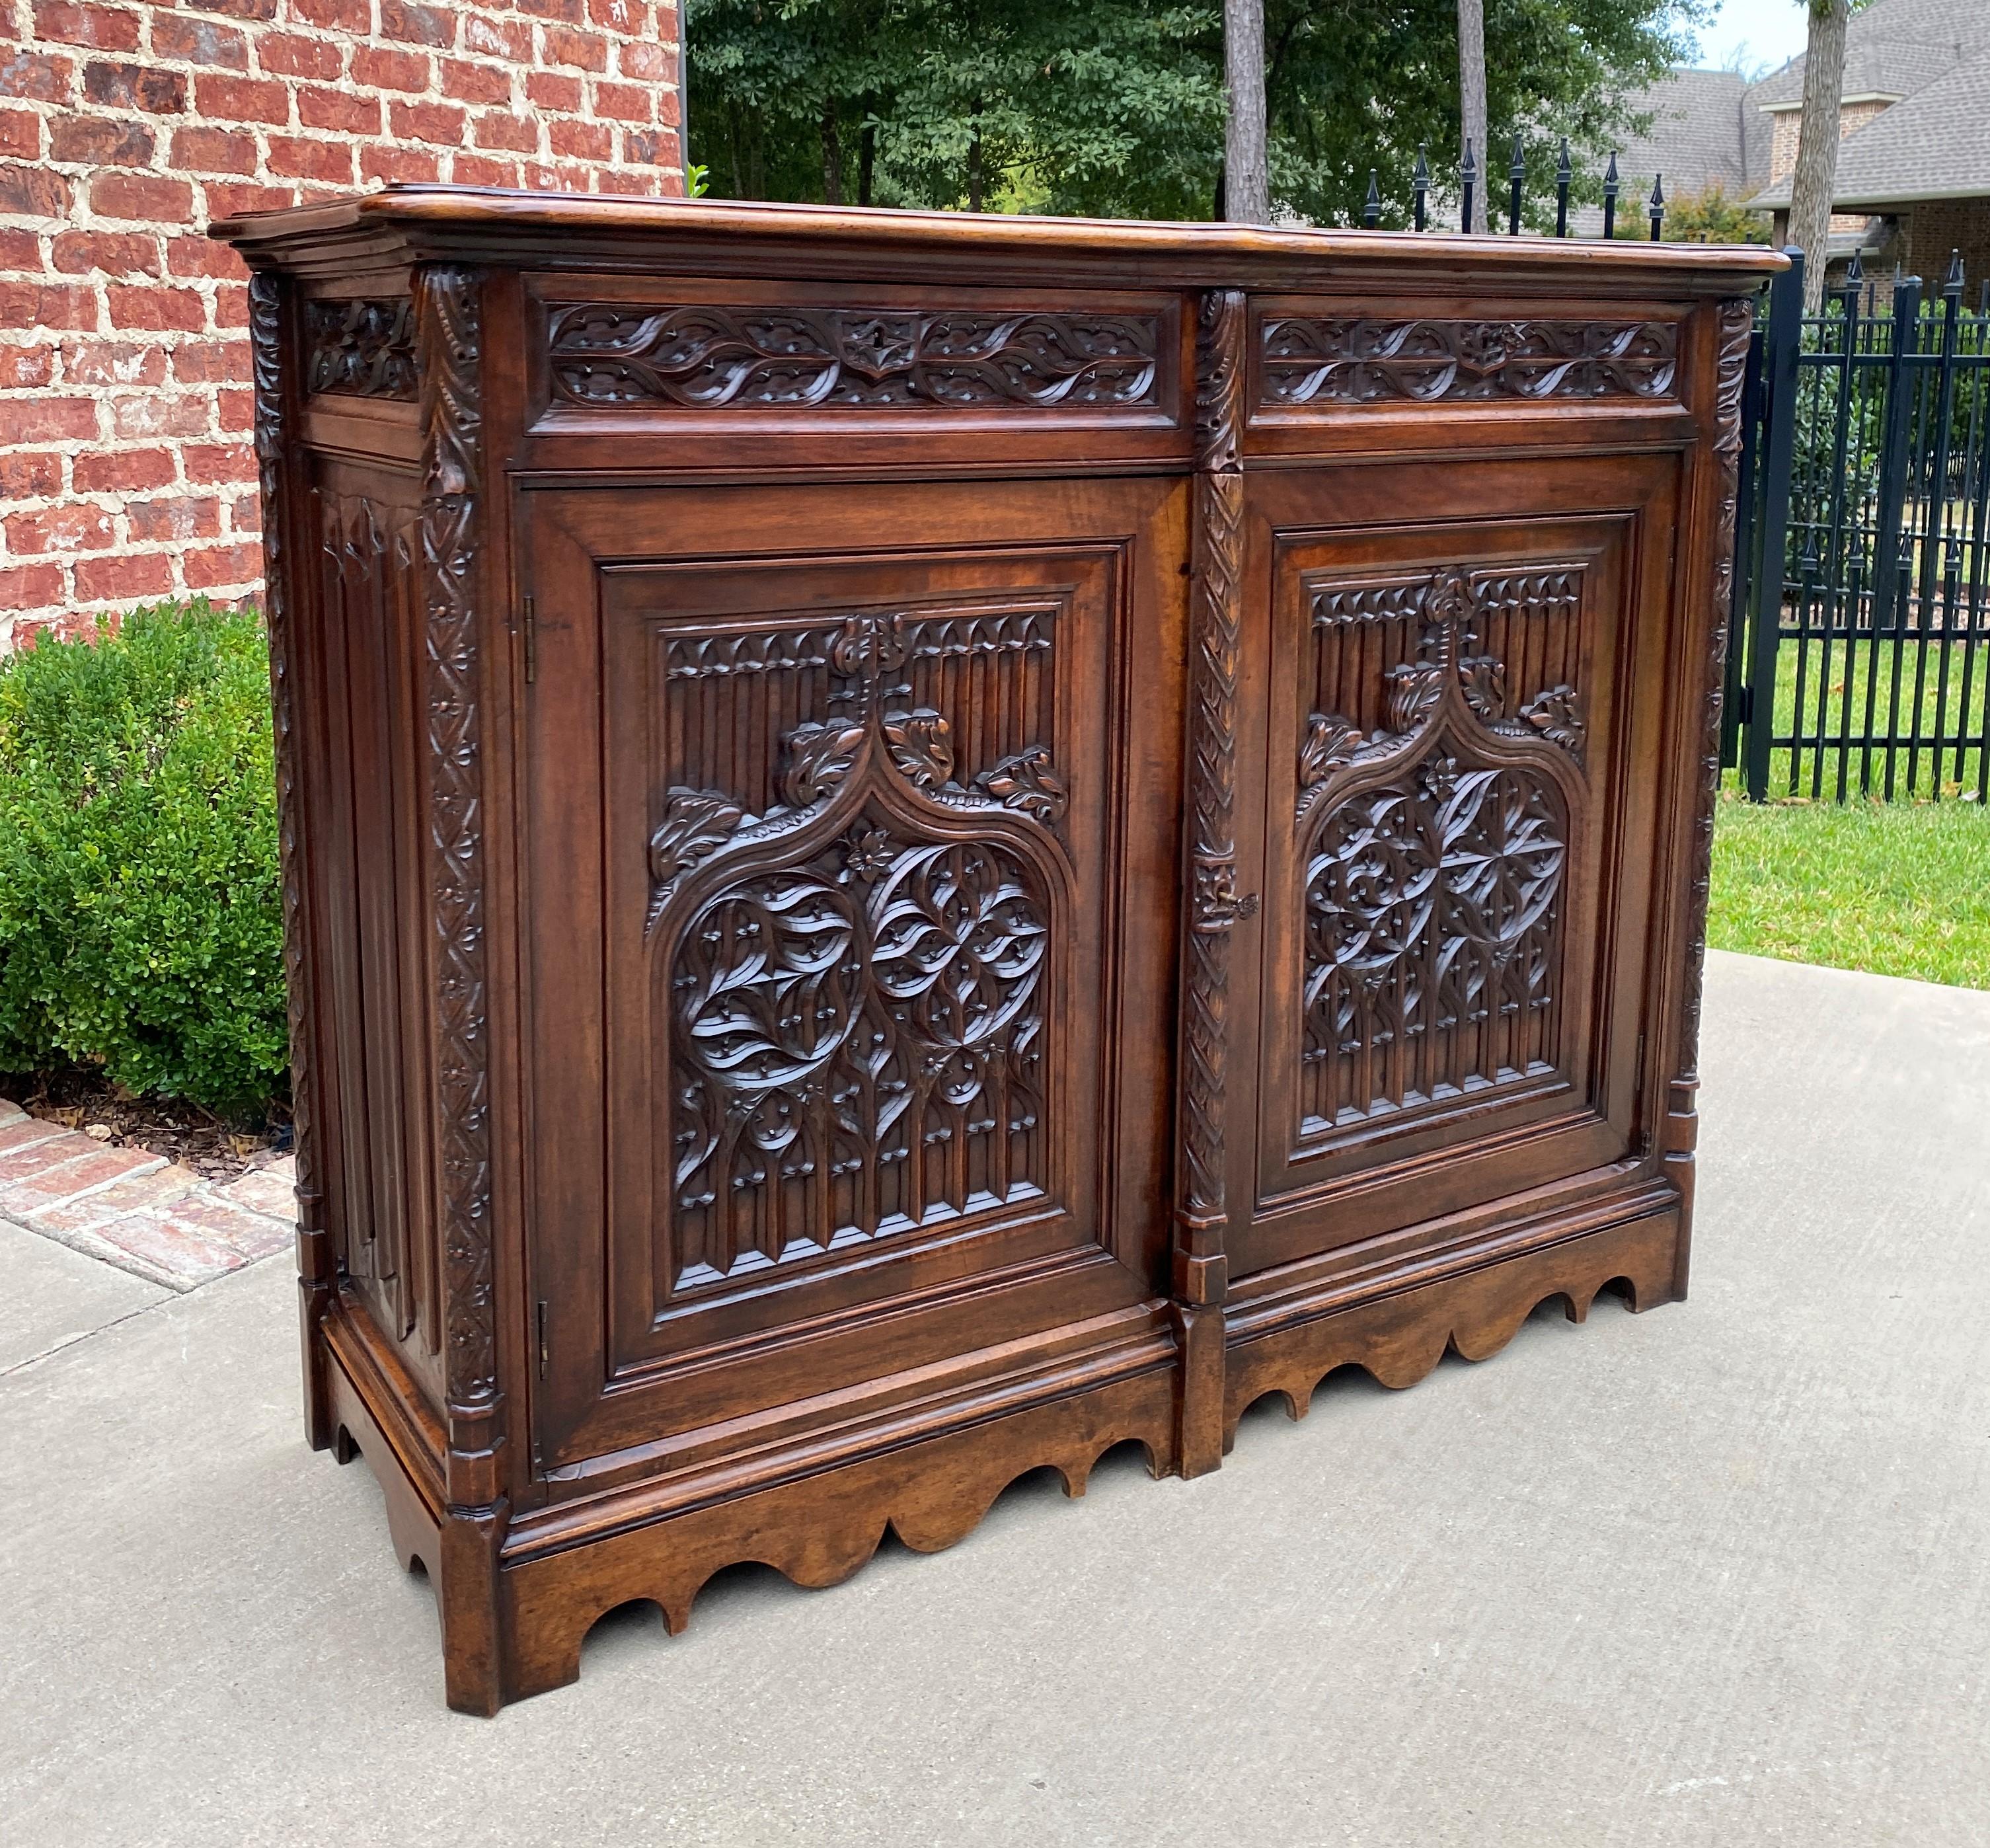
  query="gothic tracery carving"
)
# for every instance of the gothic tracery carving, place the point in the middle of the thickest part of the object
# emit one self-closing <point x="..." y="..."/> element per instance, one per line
<point x="857" y="1033"/>
<point x="858" y="1046"/>
<point x="1434" y="858"/>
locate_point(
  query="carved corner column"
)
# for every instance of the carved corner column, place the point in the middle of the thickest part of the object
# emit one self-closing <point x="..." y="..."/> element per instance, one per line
<point x="1212" y="904"/>
<point x="1735" y="320"/>
<point x="270" y="305"/>
<point x="448" y="349"/>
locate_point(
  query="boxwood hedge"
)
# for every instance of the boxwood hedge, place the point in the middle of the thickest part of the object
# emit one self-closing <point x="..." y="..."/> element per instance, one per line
<point x="141" y="929"/>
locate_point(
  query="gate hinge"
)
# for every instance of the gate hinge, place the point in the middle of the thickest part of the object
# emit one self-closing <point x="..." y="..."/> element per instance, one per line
<point x="542" y="1340"/>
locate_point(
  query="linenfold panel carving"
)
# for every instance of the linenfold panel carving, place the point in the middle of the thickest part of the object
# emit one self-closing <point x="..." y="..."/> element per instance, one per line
<point x="856" y="907"/>
<point x="1434" y="832"/>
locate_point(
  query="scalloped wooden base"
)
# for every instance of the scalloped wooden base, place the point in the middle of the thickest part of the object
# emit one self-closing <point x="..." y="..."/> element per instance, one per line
<point x="1400" y="1337"/>
<point x="515" y="1615"/>
<point x="820" y="1530"/>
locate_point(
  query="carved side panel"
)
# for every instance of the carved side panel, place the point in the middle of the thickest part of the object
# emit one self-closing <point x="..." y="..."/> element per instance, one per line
<point x="372" y="604"/>
<point x="447" y="324"/>
<point x="859" y="884"/>
<point x="1436" y="779"/>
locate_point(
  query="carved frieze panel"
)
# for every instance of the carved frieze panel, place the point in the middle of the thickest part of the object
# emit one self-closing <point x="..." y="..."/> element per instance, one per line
<point x="1434" y="829"/>
<point x="361" y="349"/>
<point x="855" y="906"/>
<point x="1313" y="360"/>
<point x="742" y="358"/>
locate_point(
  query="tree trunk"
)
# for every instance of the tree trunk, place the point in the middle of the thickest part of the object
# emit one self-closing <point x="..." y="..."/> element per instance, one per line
<point x="1472" y="100"/>
<point x="1247" y="186"/>
<point x="832" y="156"/>
<point x="866" y="152"/>
<point x="1817" y="143"/>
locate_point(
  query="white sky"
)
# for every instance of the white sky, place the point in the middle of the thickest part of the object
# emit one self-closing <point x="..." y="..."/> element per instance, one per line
<point x="1770" y="31"/>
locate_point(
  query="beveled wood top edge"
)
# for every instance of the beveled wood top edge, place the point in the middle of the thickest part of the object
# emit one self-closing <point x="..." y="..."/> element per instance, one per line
<point x="447" y="217"/>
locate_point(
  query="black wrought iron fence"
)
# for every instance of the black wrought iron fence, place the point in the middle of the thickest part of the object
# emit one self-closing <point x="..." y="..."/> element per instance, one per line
<point x="1859" y="646"/>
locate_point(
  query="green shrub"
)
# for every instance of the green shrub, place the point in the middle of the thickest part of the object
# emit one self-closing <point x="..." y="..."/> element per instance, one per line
<point x="141" y="927"/>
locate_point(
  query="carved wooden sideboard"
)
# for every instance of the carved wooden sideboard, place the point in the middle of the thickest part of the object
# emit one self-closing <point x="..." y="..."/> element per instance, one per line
<point x="916" y="846"/>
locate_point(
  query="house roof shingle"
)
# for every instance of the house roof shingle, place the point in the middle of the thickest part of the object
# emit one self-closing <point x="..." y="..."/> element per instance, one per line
<point x="1933" y="144"/>
<point x="1893" y="48"/>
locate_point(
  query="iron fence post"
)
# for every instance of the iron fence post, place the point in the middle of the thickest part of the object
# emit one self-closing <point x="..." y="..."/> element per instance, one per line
<point x="1747" y="502"/>
<point x="1935" y="546"/>
<point x="1779" y="369"/>
<point x="1889" y="582"/>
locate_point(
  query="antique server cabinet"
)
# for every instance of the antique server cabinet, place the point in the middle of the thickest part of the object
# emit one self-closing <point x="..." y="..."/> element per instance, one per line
<point x="917" y="845"/>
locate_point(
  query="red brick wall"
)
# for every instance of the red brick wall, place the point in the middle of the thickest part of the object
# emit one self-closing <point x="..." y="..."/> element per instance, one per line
<point x="1936" y="229"/>
<point x="125" y="128"/>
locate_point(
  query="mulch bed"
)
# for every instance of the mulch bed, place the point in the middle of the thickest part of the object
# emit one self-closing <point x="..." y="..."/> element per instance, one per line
<point x="181" y="1132"/>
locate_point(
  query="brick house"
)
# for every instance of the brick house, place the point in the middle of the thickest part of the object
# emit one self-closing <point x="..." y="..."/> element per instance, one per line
<point x="1914" y="165"/>
<point x="126" y="126"/>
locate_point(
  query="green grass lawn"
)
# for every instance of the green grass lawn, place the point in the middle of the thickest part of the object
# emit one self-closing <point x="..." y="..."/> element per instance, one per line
<point x="1897" y="888"/>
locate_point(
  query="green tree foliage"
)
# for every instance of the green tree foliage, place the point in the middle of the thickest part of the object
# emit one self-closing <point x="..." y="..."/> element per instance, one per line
<point x="1114" y="107"/>
<point x="141" y="928"/>
<point x="1706" y="217"/>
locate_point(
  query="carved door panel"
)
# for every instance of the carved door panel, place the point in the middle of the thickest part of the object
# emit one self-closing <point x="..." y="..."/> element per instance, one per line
<point x="837" y="822"/>
<point x="1455" y="838"/>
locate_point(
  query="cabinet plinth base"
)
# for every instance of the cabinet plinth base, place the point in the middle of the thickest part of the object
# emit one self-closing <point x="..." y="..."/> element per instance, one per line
<point x="818" y="1528"/>
<point x="1399" y="1338"/>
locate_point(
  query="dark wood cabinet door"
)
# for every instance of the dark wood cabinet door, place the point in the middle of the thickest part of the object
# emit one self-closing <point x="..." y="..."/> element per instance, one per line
<point x="832" y="799"/>
<point x="1457" y="816"/>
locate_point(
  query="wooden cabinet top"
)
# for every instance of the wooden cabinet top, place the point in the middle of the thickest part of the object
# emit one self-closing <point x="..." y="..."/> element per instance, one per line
<point x="538" y="230"/>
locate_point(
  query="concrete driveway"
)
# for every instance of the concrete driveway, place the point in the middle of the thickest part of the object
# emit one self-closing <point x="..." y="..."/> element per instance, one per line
<point x="1719" y="1574"/>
